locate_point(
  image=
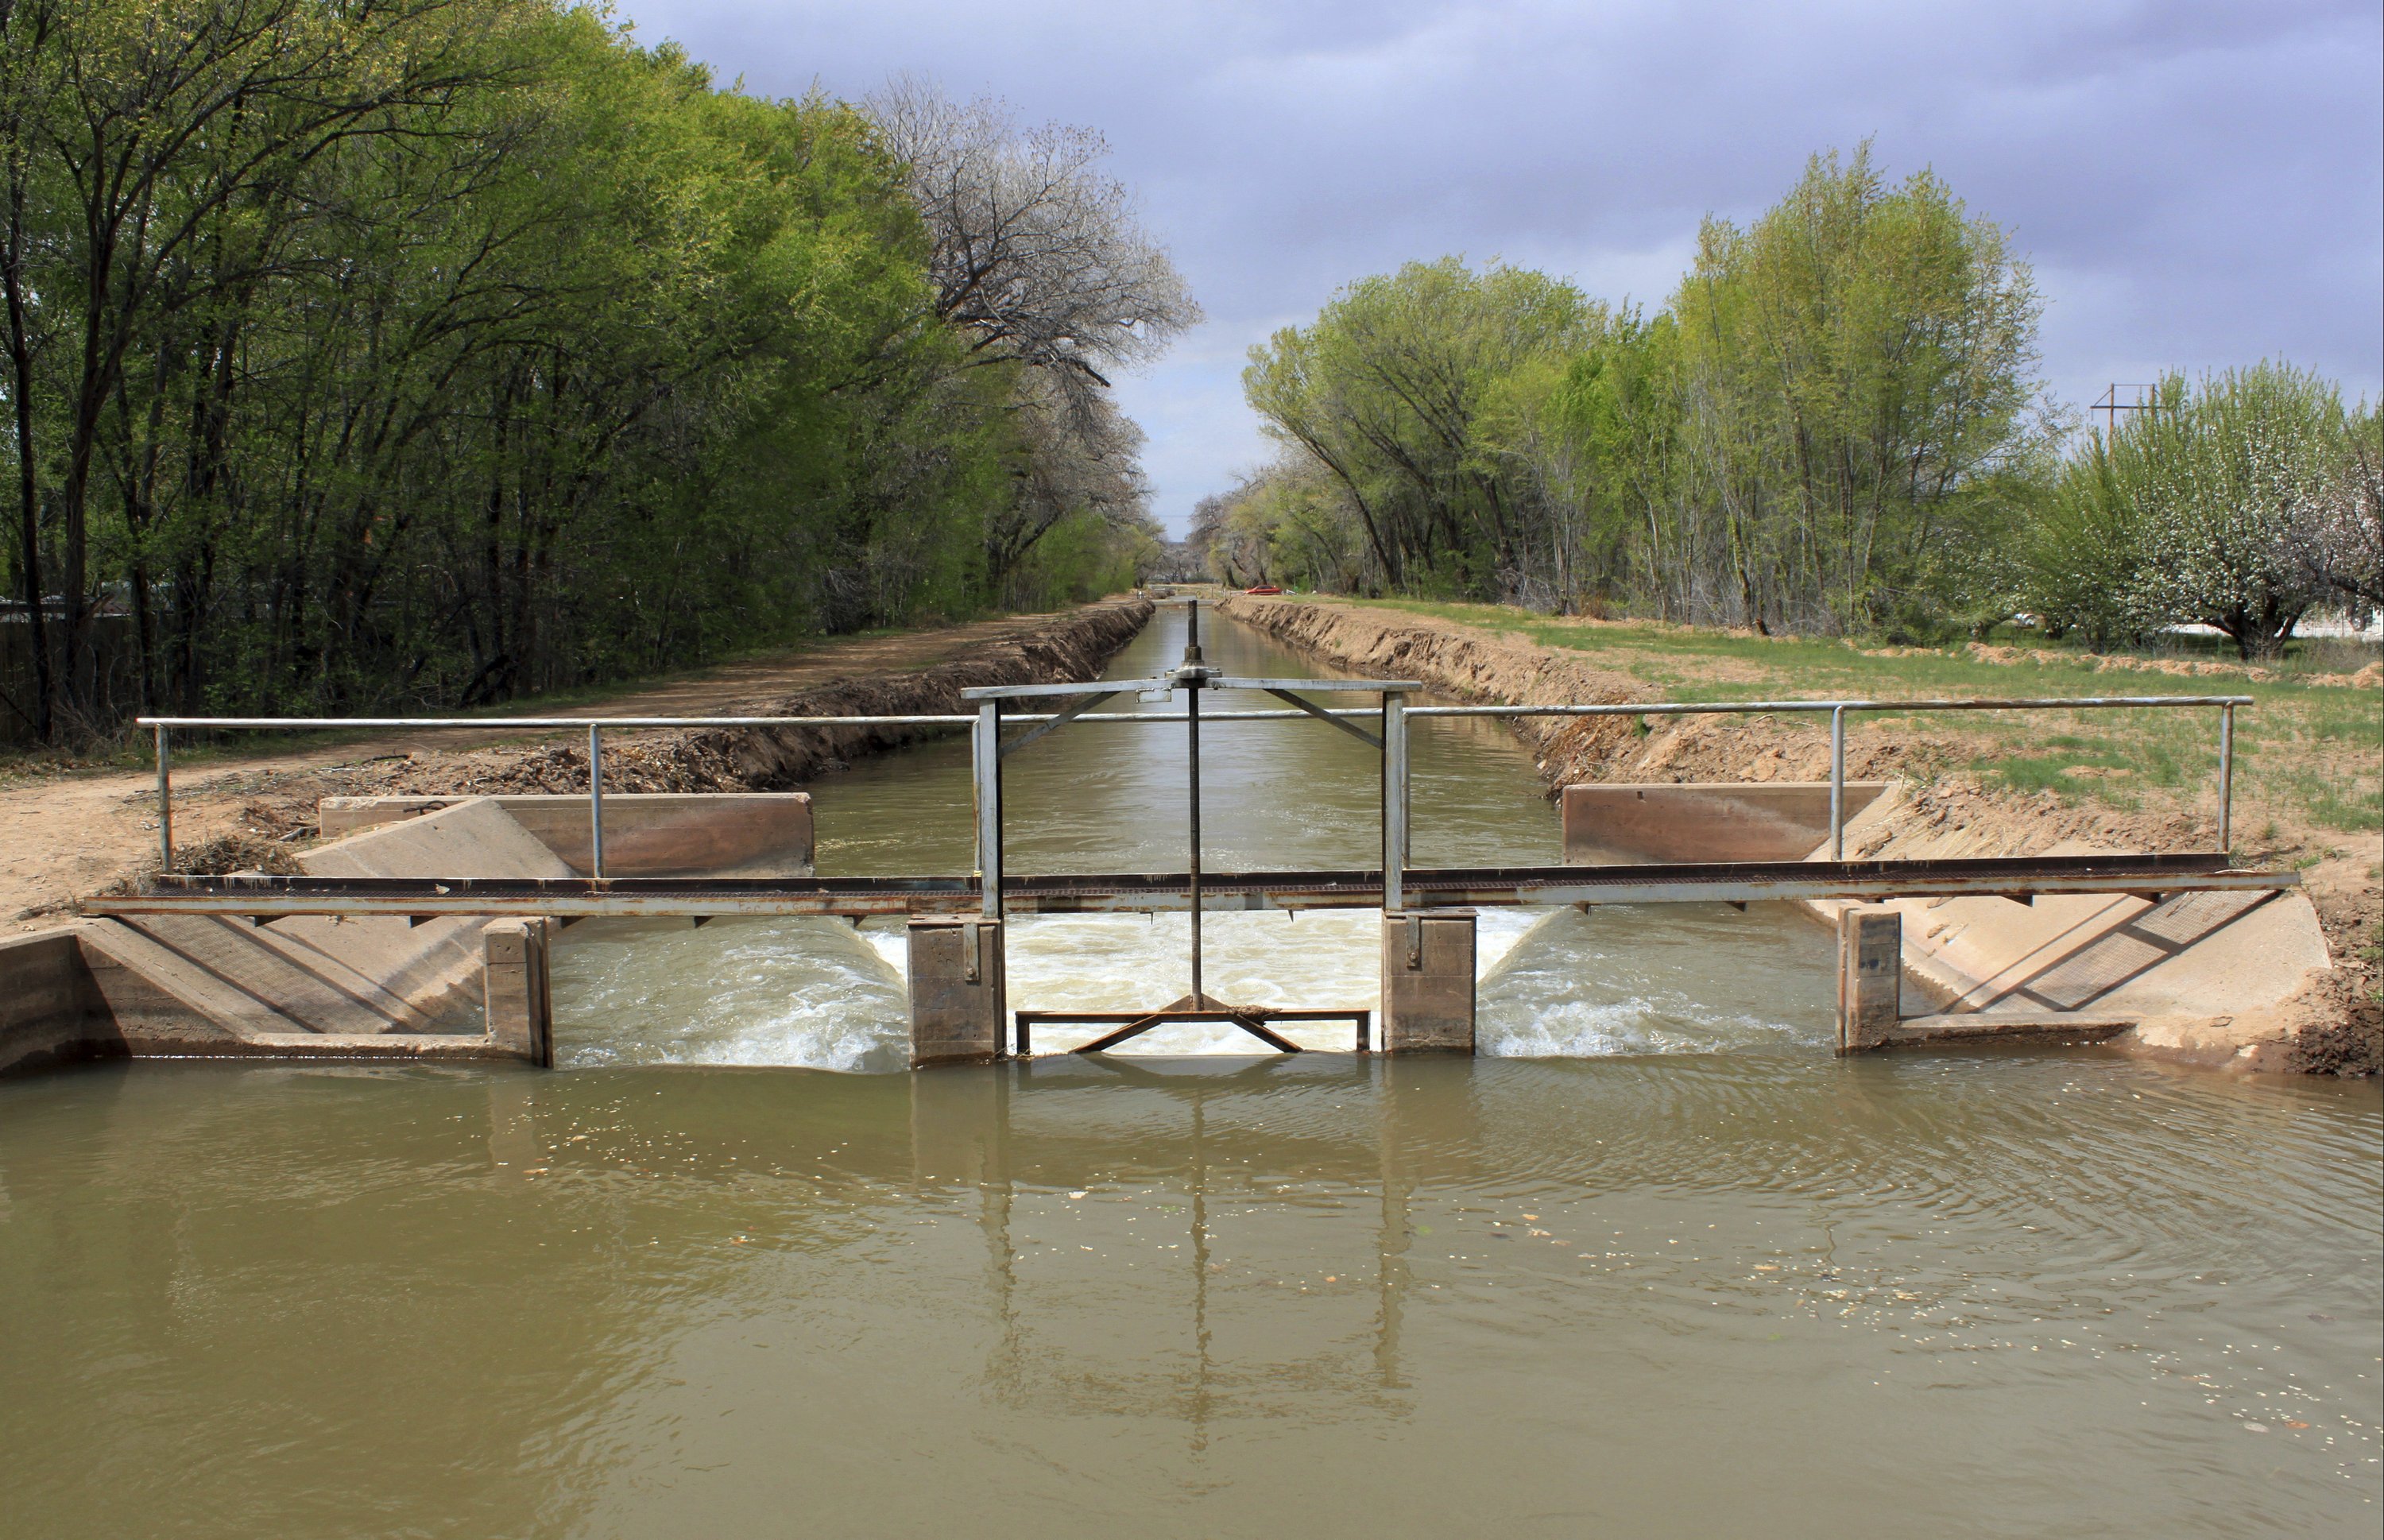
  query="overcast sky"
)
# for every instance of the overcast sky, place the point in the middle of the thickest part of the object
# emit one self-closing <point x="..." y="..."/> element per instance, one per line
<point x="2199" y="185"/>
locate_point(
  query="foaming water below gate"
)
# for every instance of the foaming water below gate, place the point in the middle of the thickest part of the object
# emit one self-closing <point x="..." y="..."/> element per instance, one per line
<point x="821" y="994"/>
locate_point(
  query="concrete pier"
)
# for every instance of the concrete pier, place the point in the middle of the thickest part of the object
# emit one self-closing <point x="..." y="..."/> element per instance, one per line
<point x="1871" y="977"/>
<point x="958" y="998"/>
<point x="49" y="1006"/>
<point x="519" y="1003"/>
<point x="1428" y="1005"/>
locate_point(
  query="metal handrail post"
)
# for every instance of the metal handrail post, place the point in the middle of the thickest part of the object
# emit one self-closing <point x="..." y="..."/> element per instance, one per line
<point x="2226" y="779"/>
<point x="165" y="807"/>
<point x="1394" y="801"/>
<point x="595" y="802"/>
<point x="1838" y="784"/>
<point x="986" y="764"/>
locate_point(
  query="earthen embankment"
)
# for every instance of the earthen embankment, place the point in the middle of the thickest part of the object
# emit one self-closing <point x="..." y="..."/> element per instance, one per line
<point x="2322" y="1018"/>
<point x="65" y="836"/>
<point x="1074" y="646"/>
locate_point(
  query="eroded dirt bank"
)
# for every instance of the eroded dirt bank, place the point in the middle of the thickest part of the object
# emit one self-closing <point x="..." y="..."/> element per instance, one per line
<point x="2332" y="1025"/>
<point x="64" y="837"/>
<point x="1077" y="646"/>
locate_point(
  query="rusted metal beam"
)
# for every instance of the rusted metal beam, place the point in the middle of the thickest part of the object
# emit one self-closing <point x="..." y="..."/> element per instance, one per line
<point x="1741" y="882"/>
<point x="1134" y="1024"/>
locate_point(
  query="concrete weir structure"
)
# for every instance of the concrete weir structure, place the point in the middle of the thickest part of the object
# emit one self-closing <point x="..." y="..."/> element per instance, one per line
<point x="958" y="993"/>
<point x="422" y="882"/>
<point x="2191" y="975"/>
<point x="367" y="986"/>
<point x="651" y="833"/>
<point x="1428" y="981"/>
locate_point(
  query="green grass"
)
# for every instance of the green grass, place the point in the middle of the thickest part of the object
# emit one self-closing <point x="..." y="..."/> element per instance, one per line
<point x="2312" y="748"/>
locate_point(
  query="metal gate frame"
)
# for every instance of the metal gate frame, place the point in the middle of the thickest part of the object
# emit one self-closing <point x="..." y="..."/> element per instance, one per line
<point x="987" y="751"/>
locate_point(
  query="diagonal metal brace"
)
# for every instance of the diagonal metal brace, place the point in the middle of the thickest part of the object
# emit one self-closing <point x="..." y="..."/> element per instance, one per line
<point x="1360" y="734"/>
<point x="1191" y="1008"/>
<point x="1062" y="720"/>
<point x="1251" y="1022"/>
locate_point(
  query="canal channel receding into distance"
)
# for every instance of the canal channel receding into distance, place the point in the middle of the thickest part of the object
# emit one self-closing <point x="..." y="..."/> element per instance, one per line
<point x="1274" y="795"/>
<point x="1661" y="1265"/>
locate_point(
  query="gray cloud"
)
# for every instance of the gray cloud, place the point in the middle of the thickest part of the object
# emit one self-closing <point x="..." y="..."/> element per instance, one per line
<point x="2199" y="185"/>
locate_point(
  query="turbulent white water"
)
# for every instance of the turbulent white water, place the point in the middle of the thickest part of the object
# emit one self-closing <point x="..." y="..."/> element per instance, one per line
<point x="820" y="993"/>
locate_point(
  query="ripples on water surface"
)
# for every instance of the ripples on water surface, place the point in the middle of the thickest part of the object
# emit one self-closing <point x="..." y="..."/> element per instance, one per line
<point x="1671" y="1270"/>
<point x="1764" y="1292"/>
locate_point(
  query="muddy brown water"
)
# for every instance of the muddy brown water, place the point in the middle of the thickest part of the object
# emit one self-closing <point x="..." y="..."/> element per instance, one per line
<point x="1665" y="1268"/>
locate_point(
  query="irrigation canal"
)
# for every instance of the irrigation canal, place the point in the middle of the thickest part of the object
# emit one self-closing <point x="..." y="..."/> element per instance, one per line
<point x="1658" y="1264"/>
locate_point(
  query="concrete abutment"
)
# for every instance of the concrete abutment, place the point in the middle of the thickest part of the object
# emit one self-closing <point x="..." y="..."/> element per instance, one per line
<point x="516" y="987"/>
<point x="959" y="998"/>
<point x="1428" y="981"/>
<point x="1871" y="977"/>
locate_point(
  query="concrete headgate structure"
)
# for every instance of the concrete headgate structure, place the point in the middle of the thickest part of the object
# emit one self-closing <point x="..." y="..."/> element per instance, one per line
<point x="1733" y="845"/>
<point x="959" y="1008"/>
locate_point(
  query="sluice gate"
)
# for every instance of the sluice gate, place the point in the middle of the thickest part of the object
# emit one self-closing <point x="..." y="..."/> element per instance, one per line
<point x="959" y="1005"/>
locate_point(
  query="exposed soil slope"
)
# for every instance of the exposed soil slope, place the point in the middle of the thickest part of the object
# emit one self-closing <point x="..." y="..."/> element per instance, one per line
<point x="66" y="835"/>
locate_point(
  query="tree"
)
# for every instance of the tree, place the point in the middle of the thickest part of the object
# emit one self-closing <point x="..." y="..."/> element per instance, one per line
<point x="1039" y="261"/>
<point x="2232" y="474"/>
<point x="2339" y="538"/>
<point x="1038" y="254"/>
<point x="392" y="352"/>
<point x="1833" y="425"/>
<point x="1387" y="391"/>
<point x="158" y="121"/>
<point x="1859" y="369"/>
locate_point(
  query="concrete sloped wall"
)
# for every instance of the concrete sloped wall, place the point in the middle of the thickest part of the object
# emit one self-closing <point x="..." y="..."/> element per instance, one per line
<point x="50" y="1008"/>
<point x="198" y="984"/>
<point x="433" y="968"/>
<point x="2209" y="977"/>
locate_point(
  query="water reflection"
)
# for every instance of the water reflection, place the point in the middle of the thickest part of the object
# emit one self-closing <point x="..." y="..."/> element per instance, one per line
<point x="1061" y="1298"/>
<point x="1371" y="1124"/>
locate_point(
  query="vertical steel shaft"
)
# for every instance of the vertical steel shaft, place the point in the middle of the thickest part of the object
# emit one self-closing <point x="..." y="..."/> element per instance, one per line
<point x="1838" y="784"/>
<point x="164" y="807"/>
<point x="595" y="801"/>
<point x="1192" y="752"/>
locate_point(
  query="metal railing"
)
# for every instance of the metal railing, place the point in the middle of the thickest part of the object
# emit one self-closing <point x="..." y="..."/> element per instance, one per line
<point x="1394" y="720"/>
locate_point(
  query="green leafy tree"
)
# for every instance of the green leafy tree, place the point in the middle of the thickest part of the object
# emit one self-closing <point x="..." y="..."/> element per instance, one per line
<point x="1387" y="391"/>
<point x="1858" y="368"/>
<point x="395" y="352"/>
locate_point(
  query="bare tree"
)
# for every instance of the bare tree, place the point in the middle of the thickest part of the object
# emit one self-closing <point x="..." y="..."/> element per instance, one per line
<point x="1039" y="253"/>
